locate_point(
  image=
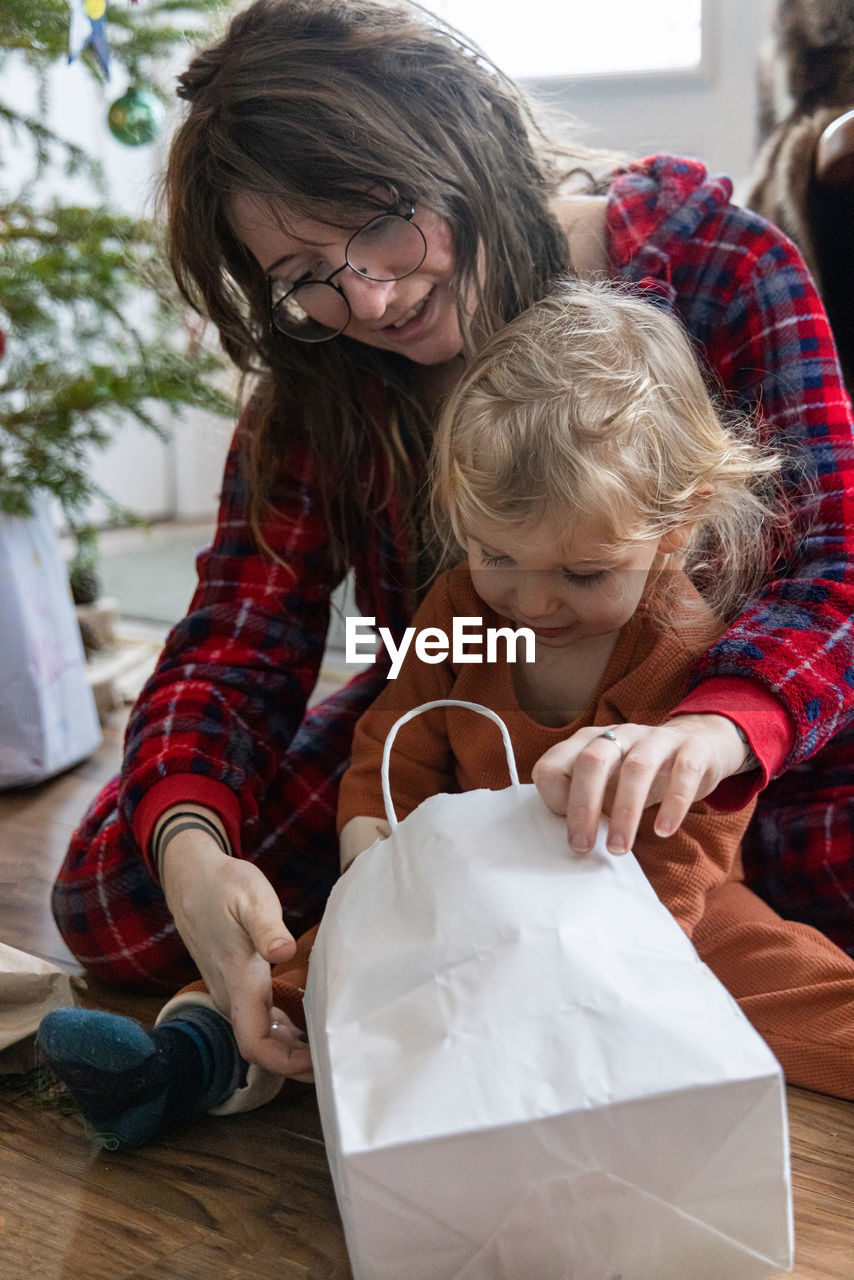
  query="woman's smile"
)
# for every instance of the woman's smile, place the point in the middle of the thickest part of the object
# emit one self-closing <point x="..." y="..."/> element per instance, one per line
<point x="411" y="313"/>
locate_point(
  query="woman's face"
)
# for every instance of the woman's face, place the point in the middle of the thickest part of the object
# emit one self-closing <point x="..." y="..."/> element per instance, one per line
<point x="415" y="317"/>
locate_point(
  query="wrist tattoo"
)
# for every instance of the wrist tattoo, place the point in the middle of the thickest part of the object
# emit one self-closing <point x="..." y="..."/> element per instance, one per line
<point x="184" y="821"/>
<point x="749" y="762"/>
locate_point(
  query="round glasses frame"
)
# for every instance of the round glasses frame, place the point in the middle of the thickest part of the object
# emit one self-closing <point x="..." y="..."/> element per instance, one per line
<point x="276" y="307"/>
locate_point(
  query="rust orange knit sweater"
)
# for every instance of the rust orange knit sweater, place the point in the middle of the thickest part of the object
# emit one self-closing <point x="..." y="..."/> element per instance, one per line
<point x="450" y="749"/>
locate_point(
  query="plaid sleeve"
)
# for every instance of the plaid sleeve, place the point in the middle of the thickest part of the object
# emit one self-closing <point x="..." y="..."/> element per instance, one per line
<point x="231" y="686"/>
<point x="765" y="333"/>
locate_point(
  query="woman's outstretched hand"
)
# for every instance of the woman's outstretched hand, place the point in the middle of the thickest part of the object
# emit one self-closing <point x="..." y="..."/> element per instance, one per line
<point x="671" y="765"/>
<point x="230" y="920"/>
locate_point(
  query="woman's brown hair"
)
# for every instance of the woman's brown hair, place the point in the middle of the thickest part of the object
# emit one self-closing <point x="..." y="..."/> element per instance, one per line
<point x="309" y="102"/>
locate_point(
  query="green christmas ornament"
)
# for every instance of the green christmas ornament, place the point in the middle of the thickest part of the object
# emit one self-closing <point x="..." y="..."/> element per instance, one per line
<point x="135" y="117"/>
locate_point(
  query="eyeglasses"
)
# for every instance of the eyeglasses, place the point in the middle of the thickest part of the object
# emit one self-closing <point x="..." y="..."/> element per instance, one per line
<point x="388" y="247"/>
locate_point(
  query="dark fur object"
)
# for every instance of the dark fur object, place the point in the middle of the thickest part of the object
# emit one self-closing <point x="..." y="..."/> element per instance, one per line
<point x="806" y="80"/>
<point x="782" y="186"/>
<point x="808" y="63"/>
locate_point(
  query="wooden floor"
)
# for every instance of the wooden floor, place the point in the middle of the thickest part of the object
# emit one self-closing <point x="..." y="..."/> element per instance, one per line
<point x="248" y="1198"/>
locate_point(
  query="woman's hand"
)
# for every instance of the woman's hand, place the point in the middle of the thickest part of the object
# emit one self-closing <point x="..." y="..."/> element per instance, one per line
<point x="230" y="920"/>
<point x="671" y="765"/>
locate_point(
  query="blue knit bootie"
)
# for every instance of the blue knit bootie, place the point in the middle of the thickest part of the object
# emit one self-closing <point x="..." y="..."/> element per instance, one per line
<point x="132" y="1084"/>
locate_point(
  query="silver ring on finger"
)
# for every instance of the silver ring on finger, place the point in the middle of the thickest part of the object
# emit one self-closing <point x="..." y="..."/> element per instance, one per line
<point x="612" y="737"/>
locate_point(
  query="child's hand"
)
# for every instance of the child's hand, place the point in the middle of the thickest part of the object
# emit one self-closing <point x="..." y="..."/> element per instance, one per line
<point x="589" y="776"/>
<point x="359" y="834"/>
<point x="287" y="1037"/>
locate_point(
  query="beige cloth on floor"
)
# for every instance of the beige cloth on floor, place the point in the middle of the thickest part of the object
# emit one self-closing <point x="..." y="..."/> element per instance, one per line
<point x="29" y="988"/>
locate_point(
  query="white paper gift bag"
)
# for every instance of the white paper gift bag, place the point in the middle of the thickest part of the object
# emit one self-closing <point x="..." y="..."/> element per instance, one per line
<point x="30" y="987"/>
<point x="525" y="1072"/>
<point x="48" y="719"/>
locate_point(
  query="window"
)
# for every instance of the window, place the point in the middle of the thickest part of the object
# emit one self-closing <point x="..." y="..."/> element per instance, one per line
<point x="546" y="38"/>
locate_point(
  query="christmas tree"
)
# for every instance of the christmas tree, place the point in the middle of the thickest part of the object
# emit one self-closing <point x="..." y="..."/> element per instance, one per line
<point x="91" y="332"/>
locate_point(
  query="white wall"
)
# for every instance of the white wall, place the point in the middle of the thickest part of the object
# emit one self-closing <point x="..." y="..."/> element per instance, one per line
<point x="175" y="480"/>
<point x="710" y="114"/>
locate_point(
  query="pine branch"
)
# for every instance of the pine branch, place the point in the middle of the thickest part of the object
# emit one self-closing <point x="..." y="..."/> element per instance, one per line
<point x="87" y="304"/>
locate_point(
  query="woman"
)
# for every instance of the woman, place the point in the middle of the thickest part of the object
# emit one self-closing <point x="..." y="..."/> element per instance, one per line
<point x="357" y="199"/>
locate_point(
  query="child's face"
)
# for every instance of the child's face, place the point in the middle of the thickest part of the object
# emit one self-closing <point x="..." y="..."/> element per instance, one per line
<point x="567" y="590"/>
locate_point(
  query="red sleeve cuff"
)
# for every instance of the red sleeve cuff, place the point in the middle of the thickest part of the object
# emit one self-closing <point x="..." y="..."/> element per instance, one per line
<point x="186" y="788"/>
<point x="762" y="717"/>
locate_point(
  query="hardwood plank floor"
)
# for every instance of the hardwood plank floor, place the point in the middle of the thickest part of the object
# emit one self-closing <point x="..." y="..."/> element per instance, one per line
<point x="248" y="1198"/>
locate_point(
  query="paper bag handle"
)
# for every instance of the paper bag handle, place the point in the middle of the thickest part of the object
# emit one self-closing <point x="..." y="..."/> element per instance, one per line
<point x="428" y="706"/>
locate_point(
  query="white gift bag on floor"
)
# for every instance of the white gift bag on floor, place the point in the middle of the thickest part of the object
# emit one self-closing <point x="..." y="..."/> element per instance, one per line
<point x="525" y="1072"/>
<point x="48" y="719"/>
<point x="30" y="987"/>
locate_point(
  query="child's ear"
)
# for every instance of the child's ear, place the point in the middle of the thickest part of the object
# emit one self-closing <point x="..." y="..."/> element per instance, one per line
<point x="676" y="539"/>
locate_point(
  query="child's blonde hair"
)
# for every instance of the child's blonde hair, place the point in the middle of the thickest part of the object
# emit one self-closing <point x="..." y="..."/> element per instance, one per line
<point x="592" y="402"/>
